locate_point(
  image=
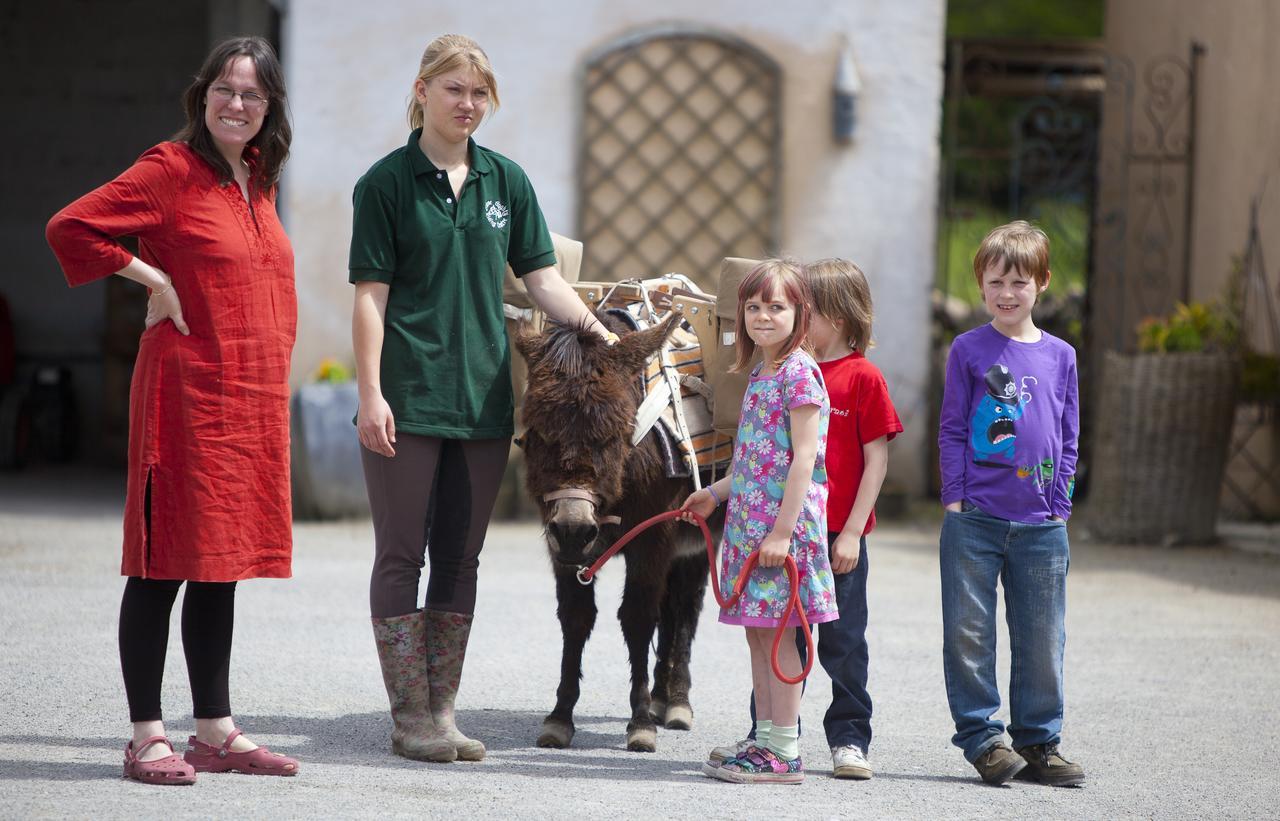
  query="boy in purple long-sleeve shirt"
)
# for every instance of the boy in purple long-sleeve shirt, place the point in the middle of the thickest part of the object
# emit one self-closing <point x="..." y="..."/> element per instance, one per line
<point x="1007" y="443"/>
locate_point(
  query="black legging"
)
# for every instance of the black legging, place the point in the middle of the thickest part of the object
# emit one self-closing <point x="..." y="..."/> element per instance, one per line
<point x="208" y="615"/>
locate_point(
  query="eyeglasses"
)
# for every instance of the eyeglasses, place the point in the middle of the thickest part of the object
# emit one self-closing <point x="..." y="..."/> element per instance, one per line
<point x="249" y="99"/>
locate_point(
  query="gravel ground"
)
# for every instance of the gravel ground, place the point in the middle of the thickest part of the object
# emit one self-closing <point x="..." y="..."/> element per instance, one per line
<point x="1172" y="667"/>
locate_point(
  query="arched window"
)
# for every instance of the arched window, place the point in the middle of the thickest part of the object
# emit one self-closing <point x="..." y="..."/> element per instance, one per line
<point x="680" y="160"/>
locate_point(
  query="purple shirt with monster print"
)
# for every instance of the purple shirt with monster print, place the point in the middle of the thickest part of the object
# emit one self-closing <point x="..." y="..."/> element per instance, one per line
<point x="1009" y="425"/>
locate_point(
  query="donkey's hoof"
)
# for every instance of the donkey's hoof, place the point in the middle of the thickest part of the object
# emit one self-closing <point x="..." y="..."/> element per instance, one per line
<point x="658" y="710"/>
<point x="679" y="717"/>
<point x="556" y="734"/>
<point x="642" y="740"/>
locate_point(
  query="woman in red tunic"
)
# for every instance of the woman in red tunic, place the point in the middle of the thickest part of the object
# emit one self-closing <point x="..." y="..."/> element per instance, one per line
<point x="208" y="484"/>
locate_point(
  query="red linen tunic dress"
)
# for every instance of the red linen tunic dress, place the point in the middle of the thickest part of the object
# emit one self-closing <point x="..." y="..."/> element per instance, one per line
<point x="208" y="413"/>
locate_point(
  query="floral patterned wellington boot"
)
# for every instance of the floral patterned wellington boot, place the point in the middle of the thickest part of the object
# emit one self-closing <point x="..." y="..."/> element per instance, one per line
<point x="758" y="765"/>
<point x="401" y="644"/>
<point x="447" y="635"/>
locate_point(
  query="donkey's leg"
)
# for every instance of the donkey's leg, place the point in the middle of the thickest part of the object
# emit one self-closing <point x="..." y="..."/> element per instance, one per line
<point x="641" y="599"/>
<point x="668" y="622"/>
<point x="661" y="667"/>
<point x="576" y="608"/>
<point x="686" y="586"/>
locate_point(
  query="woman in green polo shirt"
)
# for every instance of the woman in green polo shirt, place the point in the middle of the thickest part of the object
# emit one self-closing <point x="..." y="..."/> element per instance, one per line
<point x="436" y="223"/>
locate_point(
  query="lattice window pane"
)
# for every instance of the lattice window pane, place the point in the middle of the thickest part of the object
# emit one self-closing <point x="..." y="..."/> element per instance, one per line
<point x="680" y="157"/>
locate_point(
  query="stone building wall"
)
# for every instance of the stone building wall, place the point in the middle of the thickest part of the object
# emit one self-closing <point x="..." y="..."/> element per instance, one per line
<point x="350" y="67"/>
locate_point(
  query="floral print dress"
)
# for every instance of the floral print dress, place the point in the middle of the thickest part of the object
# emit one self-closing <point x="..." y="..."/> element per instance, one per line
<point x="761" y="458"/>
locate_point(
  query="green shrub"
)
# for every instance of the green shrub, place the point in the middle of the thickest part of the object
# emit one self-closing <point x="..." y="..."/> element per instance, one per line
<point x="1193" y="327"/>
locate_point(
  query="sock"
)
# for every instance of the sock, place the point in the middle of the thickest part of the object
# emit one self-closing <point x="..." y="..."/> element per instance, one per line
<point x="785" y="741"/>
<point x="763" y="730"/>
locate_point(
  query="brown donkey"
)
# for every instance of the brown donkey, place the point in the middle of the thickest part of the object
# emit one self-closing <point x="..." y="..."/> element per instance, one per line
<point x="592" y="486"/>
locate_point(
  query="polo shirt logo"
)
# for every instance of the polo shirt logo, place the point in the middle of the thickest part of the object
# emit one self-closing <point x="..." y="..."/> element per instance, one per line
<point x="497" y="213"/>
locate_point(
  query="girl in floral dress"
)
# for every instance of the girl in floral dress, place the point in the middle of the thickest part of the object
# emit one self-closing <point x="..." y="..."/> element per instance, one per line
<point x="777" y="495"/>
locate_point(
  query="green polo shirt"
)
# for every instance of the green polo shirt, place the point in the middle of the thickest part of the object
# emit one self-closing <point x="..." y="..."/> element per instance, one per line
<point x="446" y="364"/>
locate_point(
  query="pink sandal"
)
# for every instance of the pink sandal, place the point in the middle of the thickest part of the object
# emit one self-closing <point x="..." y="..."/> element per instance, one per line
<point x="171" y="769"/>
<point x="209" y="759"/>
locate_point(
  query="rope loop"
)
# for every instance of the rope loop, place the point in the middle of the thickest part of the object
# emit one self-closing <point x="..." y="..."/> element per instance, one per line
<point x="586" y="575"/>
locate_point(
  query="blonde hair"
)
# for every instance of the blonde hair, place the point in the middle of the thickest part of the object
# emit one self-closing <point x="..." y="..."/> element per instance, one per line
<point x="769" y="279"/>
<point x="1018" y="245"/>
<point x="446" y="53"/>
<point x="841" y="293"/>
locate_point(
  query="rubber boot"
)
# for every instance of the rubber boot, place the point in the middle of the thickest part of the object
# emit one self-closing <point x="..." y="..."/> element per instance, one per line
<point x="447" y="635"/>
<point x="402" y="647"/>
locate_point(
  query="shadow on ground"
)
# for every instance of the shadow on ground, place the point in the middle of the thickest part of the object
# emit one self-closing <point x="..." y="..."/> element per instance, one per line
<point x="364" y="740"/>
<point x="11" y="770"/>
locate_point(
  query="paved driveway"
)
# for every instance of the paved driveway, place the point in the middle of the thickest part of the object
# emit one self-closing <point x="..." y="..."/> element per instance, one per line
<point x="1173" y="663"/>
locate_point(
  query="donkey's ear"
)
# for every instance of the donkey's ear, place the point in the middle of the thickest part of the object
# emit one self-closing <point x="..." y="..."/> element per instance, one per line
<point x="528" y="343"/>
<point x="634" y="349"/>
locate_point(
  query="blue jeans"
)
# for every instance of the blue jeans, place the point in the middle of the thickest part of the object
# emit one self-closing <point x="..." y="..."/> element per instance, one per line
<point x="842" y="651"/>
<point x="1030" y="561"/>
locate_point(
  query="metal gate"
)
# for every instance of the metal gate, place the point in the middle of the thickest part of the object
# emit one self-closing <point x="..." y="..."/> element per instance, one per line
<point x="1099" y="154"/>
<point x="1146" y="174"/>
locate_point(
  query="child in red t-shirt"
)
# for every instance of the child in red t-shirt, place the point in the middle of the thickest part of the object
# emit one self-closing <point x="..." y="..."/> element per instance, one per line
<point x="862" y="423"/>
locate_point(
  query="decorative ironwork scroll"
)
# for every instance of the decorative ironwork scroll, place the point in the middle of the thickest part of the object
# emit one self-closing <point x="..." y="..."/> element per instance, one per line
<point x="1142" y="253"/>
<point x="1251" y="487"/>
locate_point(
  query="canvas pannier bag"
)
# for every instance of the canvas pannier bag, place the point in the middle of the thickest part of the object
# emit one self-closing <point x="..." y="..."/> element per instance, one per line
<point x="727" y="387"/>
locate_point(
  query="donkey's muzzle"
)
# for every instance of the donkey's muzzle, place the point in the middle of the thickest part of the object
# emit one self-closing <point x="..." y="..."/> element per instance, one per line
<point x="572" y="539"/>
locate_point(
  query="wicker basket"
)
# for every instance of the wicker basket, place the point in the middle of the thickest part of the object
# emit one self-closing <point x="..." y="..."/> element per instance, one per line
<point x="1163" y="429"/>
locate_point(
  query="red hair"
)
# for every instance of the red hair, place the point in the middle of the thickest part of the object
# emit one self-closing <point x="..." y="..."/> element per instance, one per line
<point x="771" y="278"/>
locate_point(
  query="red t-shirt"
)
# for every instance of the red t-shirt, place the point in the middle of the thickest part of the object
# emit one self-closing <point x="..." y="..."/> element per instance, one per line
<point x="861" y="412"/>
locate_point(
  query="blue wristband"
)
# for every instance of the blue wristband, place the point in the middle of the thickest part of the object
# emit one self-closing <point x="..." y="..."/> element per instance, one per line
<point x="711" y="490"/>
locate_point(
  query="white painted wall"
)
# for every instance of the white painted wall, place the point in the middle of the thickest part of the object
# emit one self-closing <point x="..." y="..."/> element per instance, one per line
<point x="350" y="66"/>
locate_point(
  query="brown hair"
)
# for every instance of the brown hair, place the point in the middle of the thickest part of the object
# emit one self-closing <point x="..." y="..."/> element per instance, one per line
<point x="841" y="293"/>
<point x="1018" y="245"/>
<point x="272" y="140"/>
<point x="446" y="53"/>
<point x="769" y="278"/>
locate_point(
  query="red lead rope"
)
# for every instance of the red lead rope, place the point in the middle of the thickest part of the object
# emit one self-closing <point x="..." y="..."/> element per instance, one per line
<point x="587" y="574"/>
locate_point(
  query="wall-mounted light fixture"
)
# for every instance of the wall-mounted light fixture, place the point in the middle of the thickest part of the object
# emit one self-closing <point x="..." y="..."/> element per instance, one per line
<point x="845" y="91"/>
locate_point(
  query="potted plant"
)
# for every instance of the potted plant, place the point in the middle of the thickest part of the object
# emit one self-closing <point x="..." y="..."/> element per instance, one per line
<point x="1163" y="428"/>
<point x="324" y="448"/>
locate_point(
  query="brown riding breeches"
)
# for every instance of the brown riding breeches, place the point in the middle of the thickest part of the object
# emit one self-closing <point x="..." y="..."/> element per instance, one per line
<point x="432" y="500"/>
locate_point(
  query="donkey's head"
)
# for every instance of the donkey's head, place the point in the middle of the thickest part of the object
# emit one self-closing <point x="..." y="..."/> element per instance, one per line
<point x="579" y="412"/>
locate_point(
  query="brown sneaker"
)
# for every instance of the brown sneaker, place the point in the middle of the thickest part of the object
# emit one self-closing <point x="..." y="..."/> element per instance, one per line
<point x="1047" y="766"/>
<point x="999" y="764"/>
